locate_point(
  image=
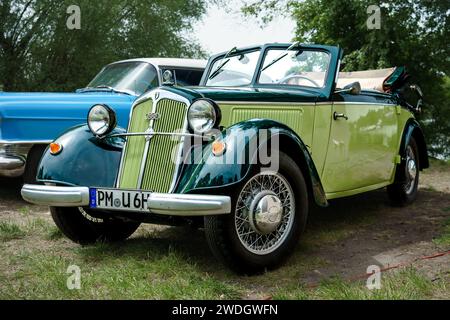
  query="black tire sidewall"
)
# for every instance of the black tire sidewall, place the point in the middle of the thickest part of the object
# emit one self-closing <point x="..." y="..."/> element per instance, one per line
<point x="397" y="191"/>
<point x="81" y="230"/>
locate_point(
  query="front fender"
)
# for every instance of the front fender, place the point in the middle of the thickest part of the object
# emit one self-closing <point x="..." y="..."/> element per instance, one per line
<point x="84" y="161"/>
<point x="208" y="172"/>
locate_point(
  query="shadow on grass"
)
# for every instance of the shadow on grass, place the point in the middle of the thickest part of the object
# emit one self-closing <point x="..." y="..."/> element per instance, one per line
<point x="187" y="243"/>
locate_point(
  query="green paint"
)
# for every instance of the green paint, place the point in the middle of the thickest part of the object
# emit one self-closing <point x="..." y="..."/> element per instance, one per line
<point x="295" y="116"/>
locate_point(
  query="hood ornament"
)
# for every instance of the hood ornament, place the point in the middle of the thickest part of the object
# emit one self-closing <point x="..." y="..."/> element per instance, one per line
<point x="153" y="116"/>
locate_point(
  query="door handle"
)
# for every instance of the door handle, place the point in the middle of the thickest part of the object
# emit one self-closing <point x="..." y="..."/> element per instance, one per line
<point x="339" y="115"/>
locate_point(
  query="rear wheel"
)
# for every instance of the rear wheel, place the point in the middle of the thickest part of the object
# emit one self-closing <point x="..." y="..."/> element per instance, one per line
<point x="81" y="227"/>
<point x="269" y="215"/>
<point x="405" y="187"/>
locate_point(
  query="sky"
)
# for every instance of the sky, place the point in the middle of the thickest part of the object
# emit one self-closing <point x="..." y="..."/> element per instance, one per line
<point x="223" y="29"/>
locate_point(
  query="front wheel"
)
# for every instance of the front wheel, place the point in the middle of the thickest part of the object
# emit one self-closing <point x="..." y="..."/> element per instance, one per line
<point x="269" y="215"/>
<point x="404" y="189"/>
<point x="79" y="226"/>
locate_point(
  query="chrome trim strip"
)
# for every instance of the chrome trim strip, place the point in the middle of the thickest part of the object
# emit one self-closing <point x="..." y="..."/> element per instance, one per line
<point x="266" y="103"/>
<point x="301" y="103"/>
<point x="188" y="204"/>
<point x="26" y="142"/>
<point x="174" y="134"/>
<point x="56" y="196"/>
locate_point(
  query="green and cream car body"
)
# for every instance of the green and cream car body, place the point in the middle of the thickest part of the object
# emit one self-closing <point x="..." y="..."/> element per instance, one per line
<point x="323" y="136"/>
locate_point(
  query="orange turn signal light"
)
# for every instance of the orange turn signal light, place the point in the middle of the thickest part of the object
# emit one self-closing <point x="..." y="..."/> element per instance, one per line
<point x="218" y="148"/>
<point x="55" y="148"/>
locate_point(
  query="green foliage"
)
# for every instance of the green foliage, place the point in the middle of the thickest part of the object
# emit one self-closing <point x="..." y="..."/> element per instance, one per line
<point x="38" y="52"/>
<point x="414" y="33"/>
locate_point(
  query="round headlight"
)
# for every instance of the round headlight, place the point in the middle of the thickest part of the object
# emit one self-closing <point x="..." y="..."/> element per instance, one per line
<point x="203" y="115"/>
<point x="101" y="119"/>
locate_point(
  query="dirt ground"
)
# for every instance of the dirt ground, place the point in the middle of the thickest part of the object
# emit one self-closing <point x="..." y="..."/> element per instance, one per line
<point x="348" y="236"/>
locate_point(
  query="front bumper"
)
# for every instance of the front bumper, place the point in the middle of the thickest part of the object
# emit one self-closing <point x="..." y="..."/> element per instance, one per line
<point x="13" y="158"/>
<point x="11" y="166"/>
<point x="159" y="203"/>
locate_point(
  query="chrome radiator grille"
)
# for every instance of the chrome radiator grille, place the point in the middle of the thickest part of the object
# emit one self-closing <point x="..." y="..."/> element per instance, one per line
<point x="153" y="168"/>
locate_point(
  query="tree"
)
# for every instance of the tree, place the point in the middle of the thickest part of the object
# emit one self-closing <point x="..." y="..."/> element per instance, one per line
<point x="413" y="33"/>
<point x="38" y="52"/>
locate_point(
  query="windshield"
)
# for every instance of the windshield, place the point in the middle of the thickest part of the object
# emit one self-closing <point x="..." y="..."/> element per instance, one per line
<point x="295" y="68"/>
<point x="233" y="71"/>
<point x="129" y="77"/>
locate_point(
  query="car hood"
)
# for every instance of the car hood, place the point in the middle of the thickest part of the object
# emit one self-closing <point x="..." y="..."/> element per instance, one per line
<point x="43" y="116"/>
<point x="248" y="94"/>
<point x="19" y="98"/>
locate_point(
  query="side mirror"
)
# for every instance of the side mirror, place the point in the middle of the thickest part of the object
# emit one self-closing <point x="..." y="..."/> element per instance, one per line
<point x="353" y="88"/>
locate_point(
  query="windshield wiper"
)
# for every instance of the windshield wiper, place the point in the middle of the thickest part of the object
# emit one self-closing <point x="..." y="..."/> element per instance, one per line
<point x="281" y="56"/>
<point x="216" y="72"/>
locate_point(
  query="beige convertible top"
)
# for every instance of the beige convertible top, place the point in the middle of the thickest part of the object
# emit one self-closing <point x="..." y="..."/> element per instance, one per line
<point x="368" y="79"/>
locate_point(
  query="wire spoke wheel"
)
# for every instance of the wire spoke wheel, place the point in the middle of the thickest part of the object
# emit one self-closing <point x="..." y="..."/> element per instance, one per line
<point x="265" y="212"/>
<point x="411" y="170"/>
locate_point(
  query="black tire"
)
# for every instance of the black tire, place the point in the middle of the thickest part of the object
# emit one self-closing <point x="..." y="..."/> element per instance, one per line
<point x="33" y="159"/>
<point x="79" y="227"/>
<point x="405" y="187"/>
<point x="222" y="234"/>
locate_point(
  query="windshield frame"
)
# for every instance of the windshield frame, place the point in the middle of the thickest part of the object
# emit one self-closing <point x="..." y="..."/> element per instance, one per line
<point x="115" y="89"/>
<point x="322" y="94"/>
<point x="219" y="57"/>
<point x="286" y="86"/>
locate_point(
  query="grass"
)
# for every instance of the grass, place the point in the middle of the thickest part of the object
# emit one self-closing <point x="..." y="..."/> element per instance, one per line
<point x="134" y="271"/>
<point x="10" y="231"/>
<point x="444" y="238"/>
<point x="32" y="226"/>
<point x="439" y="165"/>
<point x="405" y="284"/>
<point x="25" y="211"/>
<point x="151" y="267"/>
<point x="175" y="263"/>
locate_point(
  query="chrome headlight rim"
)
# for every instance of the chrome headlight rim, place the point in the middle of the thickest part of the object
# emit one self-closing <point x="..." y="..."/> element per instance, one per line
<point x="110" y="122"/>
<point x="215" y="112"/>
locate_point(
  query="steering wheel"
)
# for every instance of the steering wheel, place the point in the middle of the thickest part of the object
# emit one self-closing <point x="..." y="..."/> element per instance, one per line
<point x="297" y="76"/>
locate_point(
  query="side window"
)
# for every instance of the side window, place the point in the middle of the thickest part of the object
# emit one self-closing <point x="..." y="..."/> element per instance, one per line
<point x="186" y="77"/>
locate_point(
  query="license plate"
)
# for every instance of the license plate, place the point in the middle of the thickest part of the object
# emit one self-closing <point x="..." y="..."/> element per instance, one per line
<point x="122" y="200"/>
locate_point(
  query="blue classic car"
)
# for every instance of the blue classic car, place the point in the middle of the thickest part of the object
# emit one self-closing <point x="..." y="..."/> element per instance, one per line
<point x="30" y="121"/>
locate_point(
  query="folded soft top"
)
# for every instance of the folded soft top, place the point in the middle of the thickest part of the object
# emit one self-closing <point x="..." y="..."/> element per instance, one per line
<point x="382" y="80"/>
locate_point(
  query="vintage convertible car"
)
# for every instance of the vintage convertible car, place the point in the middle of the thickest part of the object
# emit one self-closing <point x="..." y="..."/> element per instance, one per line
<point x="30" y="121"/>
<point x="272" y="130"/>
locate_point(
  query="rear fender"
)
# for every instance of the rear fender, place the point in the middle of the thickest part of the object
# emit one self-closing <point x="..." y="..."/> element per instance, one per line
<point x="413" y="129"/>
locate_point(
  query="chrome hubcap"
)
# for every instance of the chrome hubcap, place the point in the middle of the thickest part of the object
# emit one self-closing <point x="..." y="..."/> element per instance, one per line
<point x="264" y="212"/>
<point x="411" y="170"/>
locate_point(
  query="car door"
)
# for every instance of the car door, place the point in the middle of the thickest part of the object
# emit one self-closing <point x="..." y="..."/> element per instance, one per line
<point x="362" y="144"/>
